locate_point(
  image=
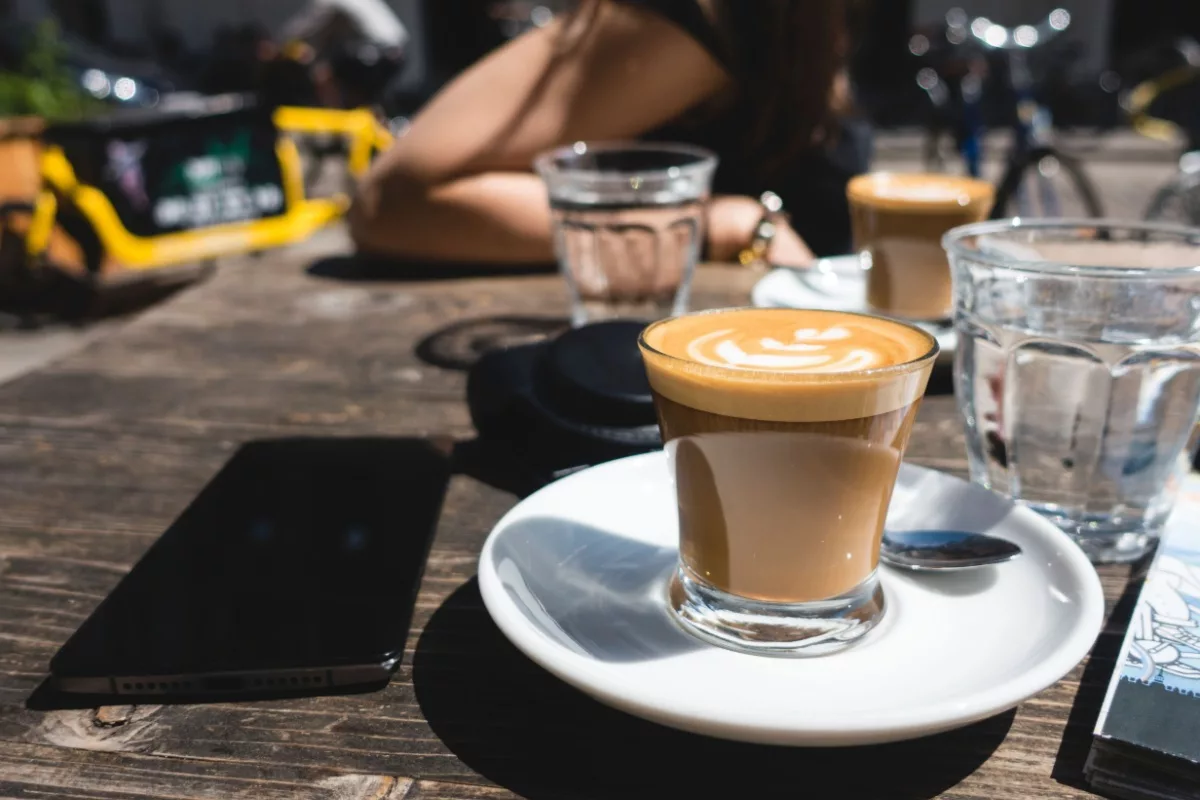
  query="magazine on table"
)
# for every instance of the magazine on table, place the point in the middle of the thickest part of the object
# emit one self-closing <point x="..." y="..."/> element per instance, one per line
<point x="1147" y="739"/>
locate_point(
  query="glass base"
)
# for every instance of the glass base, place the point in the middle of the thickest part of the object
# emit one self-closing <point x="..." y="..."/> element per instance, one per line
<point x="585" y="312"/>
<point x="776" y="629"/>
<point x="1104" y="539"/>
<point x="1114" y="548"/>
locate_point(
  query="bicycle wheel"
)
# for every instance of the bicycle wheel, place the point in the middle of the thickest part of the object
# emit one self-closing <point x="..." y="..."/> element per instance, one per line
<point x="1178" y="201"/>
<point x="15" y="219"/>
<point x="932" y="153"/>
<point x="1046" y="183"/>
<point x="47" y="288"/>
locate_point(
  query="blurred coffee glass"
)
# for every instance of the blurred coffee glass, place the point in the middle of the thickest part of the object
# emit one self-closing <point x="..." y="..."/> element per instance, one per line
<point x="898" y="221"/>
<point x="628" y="225"/>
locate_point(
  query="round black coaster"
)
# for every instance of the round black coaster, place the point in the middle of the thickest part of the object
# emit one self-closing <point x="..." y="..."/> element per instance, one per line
<point x="594" y="374"/>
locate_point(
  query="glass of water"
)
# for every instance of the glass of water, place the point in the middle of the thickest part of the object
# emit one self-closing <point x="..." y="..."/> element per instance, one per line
<point x="628" y="225"/>
<point x="1078" y="370"/>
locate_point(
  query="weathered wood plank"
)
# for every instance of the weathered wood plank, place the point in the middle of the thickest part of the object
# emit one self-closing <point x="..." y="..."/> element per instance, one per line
<point x="37" y="771"/>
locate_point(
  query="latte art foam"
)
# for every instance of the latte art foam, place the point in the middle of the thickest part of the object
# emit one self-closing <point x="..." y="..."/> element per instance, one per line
<point x="788" y="365"/>
<point x="918" y="191"/>
<point x="812" y="350"/>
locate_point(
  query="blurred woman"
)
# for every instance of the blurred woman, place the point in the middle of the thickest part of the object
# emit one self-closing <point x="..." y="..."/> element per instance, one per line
<point x="761" y="83"/>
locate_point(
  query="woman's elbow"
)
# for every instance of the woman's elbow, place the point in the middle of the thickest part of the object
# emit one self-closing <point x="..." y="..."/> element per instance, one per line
<point x="375" y="218"/>
<point x="363" y="225"/>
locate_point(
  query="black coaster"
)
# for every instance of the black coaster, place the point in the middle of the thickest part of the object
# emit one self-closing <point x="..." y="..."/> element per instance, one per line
<point x="578" y="399"/>
<point x="595" y="374"/>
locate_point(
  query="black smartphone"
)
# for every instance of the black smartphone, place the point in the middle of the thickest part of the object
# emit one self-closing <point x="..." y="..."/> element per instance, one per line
<point x="295" y="569"/>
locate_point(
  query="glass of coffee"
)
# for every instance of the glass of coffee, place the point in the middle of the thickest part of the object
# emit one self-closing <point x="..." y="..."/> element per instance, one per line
<point x="784" y="429"/>
<point x="898" y="221"/>
<point x="628" y="225"/>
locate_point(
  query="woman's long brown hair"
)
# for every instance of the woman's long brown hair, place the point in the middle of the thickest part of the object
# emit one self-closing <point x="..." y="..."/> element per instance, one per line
<point x="788" y="57"/>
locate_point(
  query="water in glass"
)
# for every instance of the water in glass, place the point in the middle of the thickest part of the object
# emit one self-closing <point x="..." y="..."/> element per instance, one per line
<point x="628" y="259"/>
<point x="628" y="224"/>
<point x="1078" y="372"/>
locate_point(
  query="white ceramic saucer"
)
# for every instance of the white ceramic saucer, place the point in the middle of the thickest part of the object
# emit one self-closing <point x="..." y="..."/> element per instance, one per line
<point x="575" y="576"/>
<point x="838" y="284"/>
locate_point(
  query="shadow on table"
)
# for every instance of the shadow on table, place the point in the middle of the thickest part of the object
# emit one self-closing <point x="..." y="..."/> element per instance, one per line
<point x="358" y="267"/>
<point x="518" y="726"/>
<point x="502" y="465"/>
<point x="520" y="465"/>
<point x="58" y="296"/>
<point x="460" y="344"/>
<point x="1093" y="684"/>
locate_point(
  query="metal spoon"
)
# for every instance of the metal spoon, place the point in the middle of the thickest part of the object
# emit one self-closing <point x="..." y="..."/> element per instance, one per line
<point x="944" y="551"/>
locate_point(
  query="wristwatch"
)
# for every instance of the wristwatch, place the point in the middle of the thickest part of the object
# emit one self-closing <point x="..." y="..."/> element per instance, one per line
<point x="755" y="253"/>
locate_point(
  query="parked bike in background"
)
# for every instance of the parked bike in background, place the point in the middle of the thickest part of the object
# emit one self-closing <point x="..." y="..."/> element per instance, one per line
<point x="1167" y="108"/>
<point x="156" y="189"/>
<point x="335" y="54"/>
<point x="965" y="58"/>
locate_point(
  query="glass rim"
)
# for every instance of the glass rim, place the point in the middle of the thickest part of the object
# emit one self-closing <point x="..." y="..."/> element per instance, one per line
<point x="545" y="163"/>
<point x="954" y="245"/>
<point x="902" y="368"/>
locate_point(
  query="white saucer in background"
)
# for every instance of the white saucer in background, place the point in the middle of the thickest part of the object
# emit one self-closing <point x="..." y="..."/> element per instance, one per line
<point x="575" y="576"/>
<point x="838" y="284"/>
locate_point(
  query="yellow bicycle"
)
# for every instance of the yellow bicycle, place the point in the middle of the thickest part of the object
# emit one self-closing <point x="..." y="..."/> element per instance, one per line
<point x="158" y="189"/>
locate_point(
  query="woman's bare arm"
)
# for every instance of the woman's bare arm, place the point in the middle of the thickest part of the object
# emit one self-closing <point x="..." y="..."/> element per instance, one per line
<point x="458" y="186"/>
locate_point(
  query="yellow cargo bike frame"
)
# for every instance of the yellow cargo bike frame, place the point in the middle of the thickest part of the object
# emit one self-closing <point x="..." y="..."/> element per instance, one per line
<point x="302" y="216"/>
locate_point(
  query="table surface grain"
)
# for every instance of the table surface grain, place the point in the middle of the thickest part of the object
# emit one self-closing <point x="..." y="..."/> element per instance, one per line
<point x="100" y="451"/>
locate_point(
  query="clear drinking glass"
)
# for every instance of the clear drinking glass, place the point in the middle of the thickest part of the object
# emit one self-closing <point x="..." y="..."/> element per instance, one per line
<point x="628" y="225"/>
<point x="1078" y="370"/>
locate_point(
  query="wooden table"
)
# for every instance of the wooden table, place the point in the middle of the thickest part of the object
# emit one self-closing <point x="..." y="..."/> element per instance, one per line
<point x="99" y="452"/>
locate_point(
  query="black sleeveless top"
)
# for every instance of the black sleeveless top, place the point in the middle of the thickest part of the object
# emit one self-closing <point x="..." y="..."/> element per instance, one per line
<point x="812" y="185"/>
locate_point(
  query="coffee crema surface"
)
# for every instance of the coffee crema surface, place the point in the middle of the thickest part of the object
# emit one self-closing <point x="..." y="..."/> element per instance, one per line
<point x="915" y="191"/>
<point x="788" y="365"/>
